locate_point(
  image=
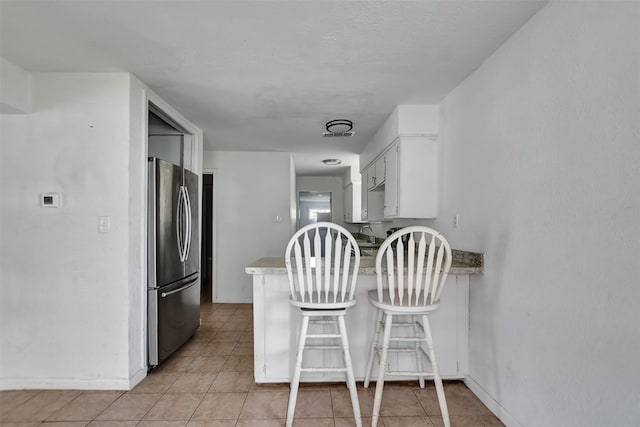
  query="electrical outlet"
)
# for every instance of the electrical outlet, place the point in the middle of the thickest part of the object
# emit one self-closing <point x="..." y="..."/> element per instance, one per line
<point x="456" y="220"/>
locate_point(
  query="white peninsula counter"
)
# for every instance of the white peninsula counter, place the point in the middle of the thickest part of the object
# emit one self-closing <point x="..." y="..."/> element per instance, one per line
<point x="276" y="323"/>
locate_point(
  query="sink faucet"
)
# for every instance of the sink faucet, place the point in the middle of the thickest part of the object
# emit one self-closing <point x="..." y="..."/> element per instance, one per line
<point x="370" y="238"/>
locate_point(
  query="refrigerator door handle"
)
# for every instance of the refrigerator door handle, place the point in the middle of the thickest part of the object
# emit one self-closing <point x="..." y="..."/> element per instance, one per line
<point x="180" y="289"/>
<point x="179" y="225"/>
<point x="187" y="237"/>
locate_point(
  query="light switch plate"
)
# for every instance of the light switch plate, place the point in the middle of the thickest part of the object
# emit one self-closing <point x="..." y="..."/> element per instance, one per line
<point x="104" y="224"/>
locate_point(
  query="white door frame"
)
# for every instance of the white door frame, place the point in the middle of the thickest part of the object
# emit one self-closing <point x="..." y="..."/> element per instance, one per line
<point x="195" y="136"/>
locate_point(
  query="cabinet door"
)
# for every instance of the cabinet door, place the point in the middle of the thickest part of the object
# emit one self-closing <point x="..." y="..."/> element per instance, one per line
<point x="372" y="179"/>
<point x="381" y="170"/>
<point x="417" y="182"/>
<point x="364" y="199"/>
<point x="391" y="184"/>
<point x="348" y="202"/>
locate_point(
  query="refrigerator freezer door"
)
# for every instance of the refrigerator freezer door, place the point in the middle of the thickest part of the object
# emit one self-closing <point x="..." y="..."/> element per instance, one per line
<point x="193" y="260"/>
<point x="164" y="192"/>
<point x="173" y="317"/>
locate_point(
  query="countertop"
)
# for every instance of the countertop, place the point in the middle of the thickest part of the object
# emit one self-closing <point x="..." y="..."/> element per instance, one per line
<point x="463" y="263"/>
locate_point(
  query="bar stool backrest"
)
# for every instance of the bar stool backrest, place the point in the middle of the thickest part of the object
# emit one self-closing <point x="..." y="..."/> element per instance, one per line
<point x="322" y="263"/>
<point x="421" y="253"/>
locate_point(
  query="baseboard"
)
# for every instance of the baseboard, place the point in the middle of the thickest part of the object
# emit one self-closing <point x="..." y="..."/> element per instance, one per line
<point x="73" y="383"/>
<point x="136" y="378"/>
<point x="64" y="384"/>
<point x="491" y="403"/>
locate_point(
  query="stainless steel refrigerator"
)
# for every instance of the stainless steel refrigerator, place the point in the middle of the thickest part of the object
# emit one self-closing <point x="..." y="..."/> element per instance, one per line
<point x="173" y="284"/>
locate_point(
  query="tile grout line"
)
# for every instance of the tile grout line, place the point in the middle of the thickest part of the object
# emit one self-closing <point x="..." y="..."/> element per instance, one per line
<point x="19" y="405"/>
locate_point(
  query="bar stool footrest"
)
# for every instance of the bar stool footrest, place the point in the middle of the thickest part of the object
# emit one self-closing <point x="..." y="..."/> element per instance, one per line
<point x="323" y="347"/>
<point x="408" y="374"/>
<point x="324" y="336"/>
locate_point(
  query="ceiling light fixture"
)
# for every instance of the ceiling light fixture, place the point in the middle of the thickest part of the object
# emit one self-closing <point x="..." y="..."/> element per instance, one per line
<point x="332" y="162"/>
<point x="339" y="127"/>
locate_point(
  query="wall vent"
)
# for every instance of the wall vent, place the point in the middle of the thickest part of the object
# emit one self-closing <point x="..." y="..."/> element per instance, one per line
<point x="338" y="134"/>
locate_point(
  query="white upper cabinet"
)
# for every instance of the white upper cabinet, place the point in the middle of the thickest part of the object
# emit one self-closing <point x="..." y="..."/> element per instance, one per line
<point x="375" y="202"/>
<point x="401" y="165"/>
<point x="376" y="175"/>
<point x="364" y="200"/>
<point x="411" y="188"/>
<point x="372" y="197"/>
<point x="348" y="203"/>
<point x="391" y="184"/>
<point x="380" y="171"/>
<point x="372" y="179"/>
<point x="352" y="200"/>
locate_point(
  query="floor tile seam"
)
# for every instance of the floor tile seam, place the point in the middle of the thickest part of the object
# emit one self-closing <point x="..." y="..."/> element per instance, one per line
<point x="424" y="408"/>
<point x="246" y="398"/>
<point x="159" y="399"/>
<point x="448" y="400"/>
<point x="3" y="415"/>
<point x="95" y="418"/>
<point x="187" y="421"/>
<point x="60" y="409"/>
<point x="333" y="411"/>
<point x="37" y="394"/>
<point x="171" y="385"/>
<point x="114" y="402"/>
<point x="92" y="419"/>
<point x="212" y="382"/>
<point x="196" y="410"/>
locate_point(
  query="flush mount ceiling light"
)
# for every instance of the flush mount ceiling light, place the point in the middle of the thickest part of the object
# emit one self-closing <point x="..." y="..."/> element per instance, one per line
<point x="332" y="162"/>
<point x="339" y="127"/>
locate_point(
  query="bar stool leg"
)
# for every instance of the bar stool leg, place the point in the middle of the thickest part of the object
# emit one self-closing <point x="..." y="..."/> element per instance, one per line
<point x="419" y="363"/>
<point x="295" y="382"/>
<point x="372" y="351"/>
<point x="377" y="400"/>
<point x="442" y="401"/>
<point x="351" y="381"/>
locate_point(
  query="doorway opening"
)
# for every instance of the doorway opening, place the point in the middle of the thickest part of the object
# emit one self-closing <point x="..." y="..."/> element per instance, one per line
<point x="206" y="263"/>
<point x="313" y="207"/>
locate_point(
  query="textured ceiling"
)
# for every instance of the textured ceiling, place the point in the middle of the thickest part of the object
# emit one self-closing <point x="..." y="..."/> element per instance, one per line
<point x="267" y="75"/>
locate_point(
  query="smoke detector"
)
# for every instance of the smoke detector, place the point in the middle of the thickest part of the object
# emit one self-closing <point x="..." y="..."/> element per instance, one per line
<point x="332" y="162"/>
<point x="339" y="127"/>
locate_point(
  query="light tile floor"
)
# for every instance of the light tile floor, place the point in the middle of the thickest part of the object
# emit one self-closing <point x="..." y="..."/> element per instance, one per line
<point x="209" y="382"/>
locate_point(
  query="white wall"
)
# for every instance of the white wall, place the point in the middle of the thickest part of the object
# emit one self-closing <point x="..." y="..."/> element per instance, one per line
<point x="137" y="230"/>
<point x="64" y="286"/>
<point x="334" y="184"/>
<point x="15" y="88"/>
<point x="541" y="158"/>
<point x="293" y="209"/>
<point x="73" y="301"/>
<point x="251" y="190"/>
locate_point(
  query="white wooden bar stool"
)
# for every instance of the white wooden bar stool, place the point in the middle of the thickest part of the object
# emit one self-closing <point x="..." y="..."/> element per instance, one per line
<point x="322" y="264"/>
<point x="412" y="266"/>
